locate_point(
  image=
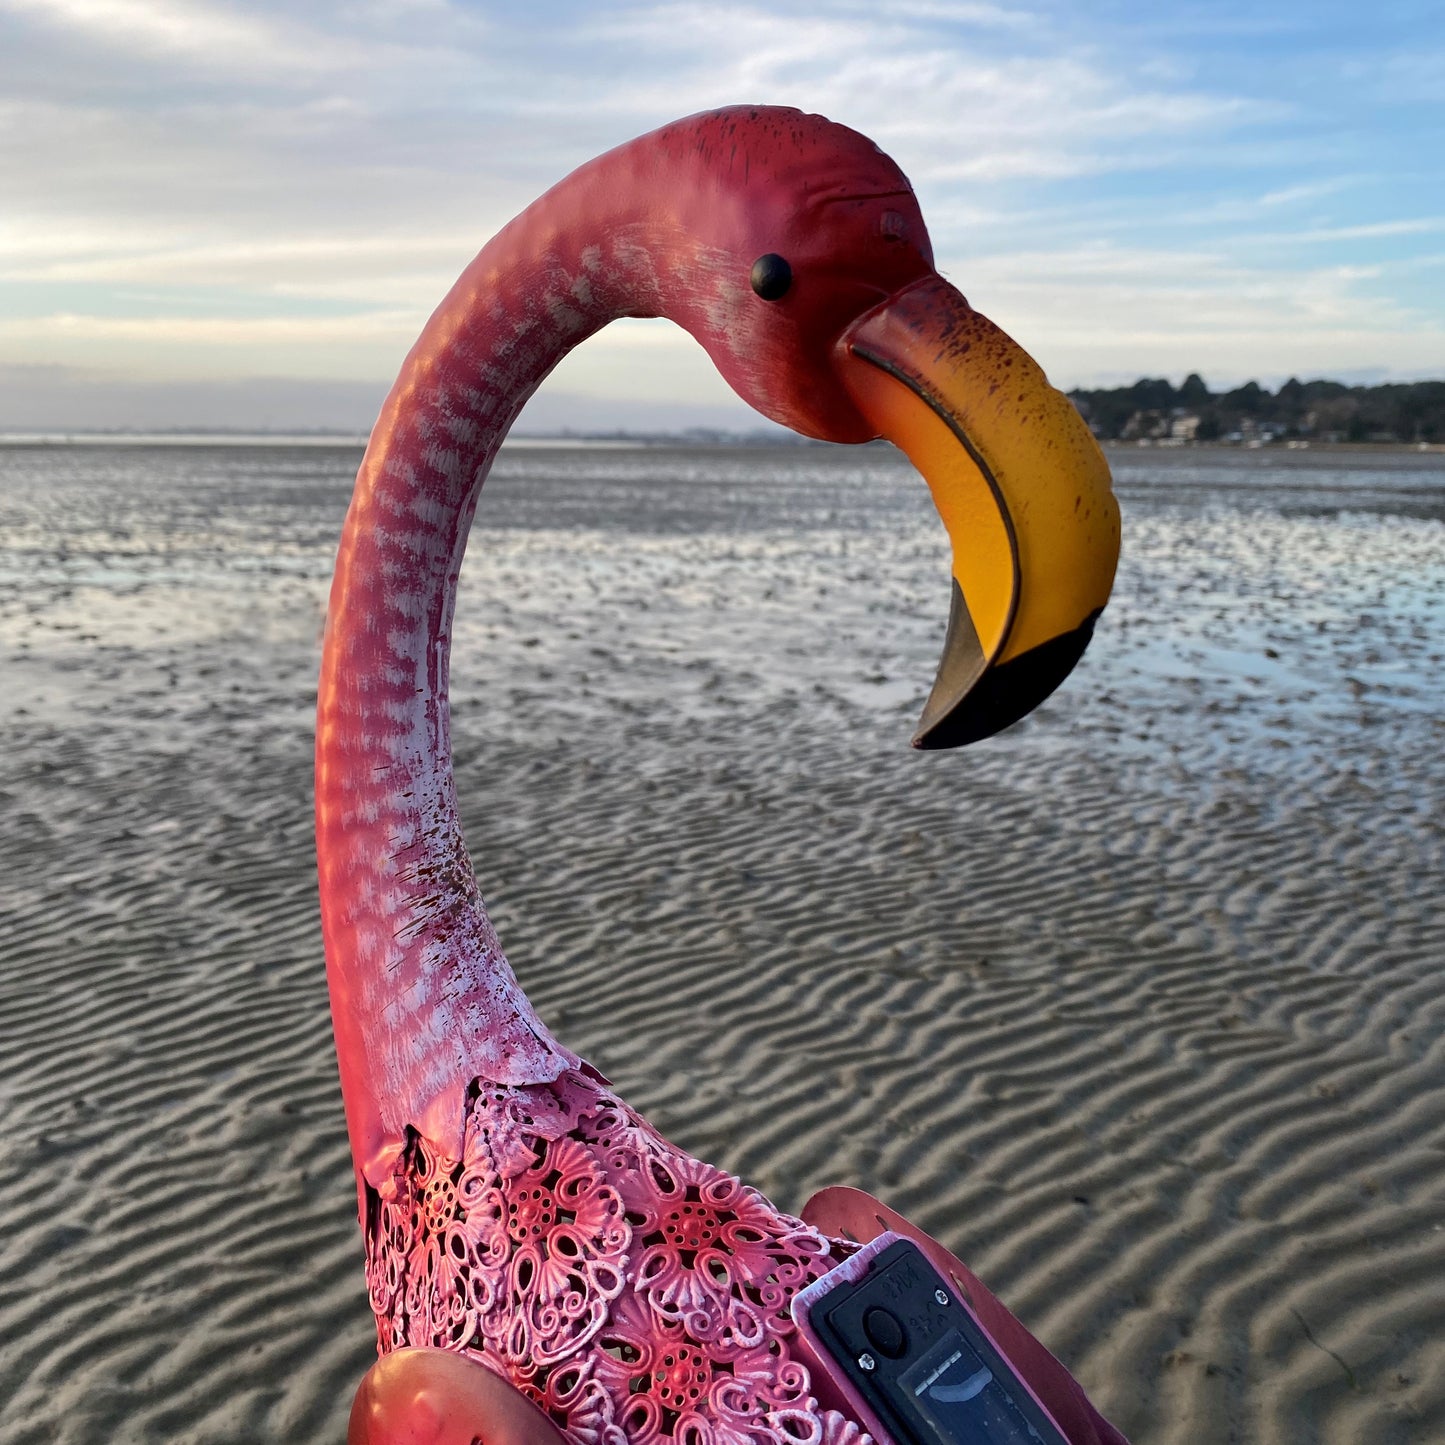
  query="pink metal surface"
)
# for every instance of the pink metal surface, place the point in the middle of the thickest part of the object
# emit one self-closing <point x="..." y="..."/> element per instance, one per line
<point x="514" y="1209"/>
<point x="632" y="1291"/>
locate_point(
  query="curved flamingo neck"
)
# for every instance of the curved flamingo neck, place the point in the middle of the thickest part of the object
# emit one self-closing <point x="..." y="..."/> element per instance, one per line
<point x="423" y="1001"/>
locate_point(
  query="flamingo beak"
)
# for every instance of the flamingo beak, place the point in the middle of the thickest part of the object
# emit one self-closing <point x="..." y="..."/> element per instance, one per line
<point x="1022" y="488"/>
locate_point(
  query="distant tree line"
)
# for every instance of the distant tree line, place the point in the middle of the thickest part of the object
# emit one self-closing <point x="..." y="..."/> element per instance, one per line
<point x="1317" y="410"/>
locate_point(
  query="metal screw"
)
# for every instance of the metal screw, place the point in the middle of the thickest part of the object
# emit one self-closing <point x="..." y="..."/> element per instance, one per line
<point x="940" y="1296"/>
<point x="867" y="1362"/>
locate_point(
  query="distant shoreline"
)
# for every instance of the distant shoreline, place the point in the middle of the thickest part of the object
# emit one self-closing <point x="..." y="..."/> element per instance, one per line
<point x="623" y="440"/>
<point x="698" y="438"/>
<point x="1271" y="448"/>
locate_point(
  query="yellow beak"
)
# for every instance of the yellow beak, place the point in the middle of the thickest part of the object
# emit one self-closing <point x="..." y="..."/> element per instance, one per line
<point x="1022" y="488"/>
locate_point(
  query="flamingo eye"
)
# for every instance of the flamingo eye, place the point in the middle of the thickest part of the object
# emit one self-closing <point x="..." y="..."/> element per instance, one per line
<point x="771" y="277"/>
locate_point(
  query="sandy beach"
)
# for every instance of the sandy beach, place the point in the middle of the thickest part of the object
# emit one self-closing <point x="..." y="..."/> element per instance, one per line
<point x="1138" y="1008"/>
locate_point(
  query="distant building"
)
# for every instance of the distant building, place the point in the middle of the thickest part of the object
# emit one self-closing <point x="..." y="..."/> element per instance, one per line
<point x="1172" y="428"/>
<point x="1145" y="426"/>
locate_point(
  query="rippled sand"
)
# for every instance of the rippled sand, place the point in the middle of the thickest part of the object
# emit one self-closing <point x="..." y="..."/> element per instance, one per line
<point x="1138" y="1008"/>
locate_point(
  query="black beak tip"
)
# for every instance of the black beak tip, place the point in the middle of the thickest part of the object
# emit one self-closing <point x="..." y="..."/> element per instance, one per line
<point x="1008" y="692"/>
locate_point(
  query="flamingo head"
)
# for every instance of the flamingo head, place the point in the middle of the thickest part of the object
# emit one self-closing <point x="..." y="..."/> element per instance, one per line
<point x="801" y="262"/>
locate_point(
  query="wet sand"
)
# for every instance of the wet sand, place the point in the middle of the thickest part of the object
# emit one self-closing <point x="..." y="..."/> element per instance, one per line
<point x="1138" y="1008"/>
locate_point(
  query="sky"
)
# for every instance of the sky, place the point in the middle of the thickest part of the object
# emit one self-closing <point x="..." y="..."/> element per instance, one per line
<point x="240" y="215"/>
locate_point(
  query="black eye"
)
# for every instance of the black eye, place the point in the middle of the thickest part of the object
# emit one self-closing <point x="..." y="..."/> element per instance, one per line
<point x="771" y="277"/>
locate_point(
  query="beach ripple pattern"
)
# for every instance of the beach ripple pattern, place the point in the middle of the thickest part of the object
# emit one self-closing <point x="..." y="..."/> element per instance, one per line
<point x="1138" y="1007"/>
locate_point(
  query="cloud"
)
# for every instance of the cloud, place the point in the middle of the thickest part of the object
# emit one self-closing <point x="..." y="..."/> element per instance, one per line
<point x="1404" y="76"/>
<point x="211" y="330"/>
<point x="1307" y="191"/>
<point x="954" y="12"/>
<point x="192" y="32"/>
<point x="316" y="266"/>
<point x="949" y="106"/>
<point x="1119" y="311"/>
<point x="1416" y="226"/>
<point x="244" y="189"/>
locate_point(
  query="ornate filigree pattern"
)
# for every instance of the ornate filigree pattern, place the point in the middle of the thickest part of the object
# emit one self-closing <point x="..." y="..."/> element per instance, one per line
<point x="635" y="1293"/>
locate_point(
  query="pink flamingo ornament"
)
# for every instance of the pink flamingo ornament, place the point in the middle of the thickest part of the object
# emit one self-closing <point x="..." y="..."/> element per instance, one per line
<point x="517" y="1214"/>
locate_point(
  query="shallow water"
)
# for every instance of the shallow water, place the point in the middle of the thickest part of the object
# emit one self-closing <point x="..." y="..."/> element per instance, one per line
<point x="1279" y="606"/>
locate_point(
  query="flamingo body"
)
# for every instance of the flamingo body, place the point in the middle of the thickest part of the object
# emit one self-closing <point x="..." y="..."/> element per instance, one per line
<point x="515" y="1210"/>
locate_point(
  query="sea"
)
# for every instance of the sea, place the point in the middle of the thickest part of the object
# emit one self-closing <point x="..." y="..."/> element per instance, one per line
<point x="1276" y="607"/>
